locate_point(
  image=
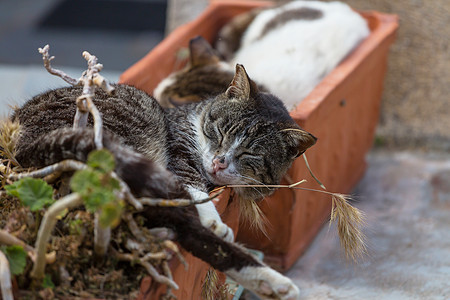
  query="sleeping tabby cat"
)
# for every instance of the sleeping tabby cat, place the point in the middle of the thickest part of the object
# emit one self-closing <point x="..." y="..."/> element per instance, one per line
<point x="288" y="49"/>
<point x="240" y="136"/>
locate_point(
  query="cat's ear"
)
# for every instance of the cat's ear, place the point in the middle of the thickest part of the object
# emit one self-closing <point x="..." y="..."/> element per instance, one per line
<point x="201" y="52"/>
<point x="242" y="86"/>
<point x="299" y="140"/>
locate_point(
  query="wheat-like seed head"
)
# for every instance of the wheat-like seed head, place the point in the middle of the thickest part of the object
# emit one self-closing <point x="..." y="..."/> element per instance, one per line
<point x="9" y="135"/>
<point x="350" y="221"/>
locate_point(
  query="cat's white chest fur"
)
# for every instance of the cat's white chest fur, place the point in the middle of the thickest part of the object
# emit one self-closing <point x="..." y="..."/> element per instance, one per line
<point x="290" y="60"/>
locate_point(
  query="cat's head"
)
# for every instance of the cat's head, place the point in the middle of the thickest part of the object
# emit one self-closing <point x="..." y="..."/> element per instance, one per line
<point x="248" y="137"/>
<point x="205" y="75"/>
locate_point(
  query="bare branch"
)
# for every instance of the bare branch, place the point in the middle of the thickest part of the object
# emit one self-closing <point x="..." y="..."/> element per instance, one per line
<point x="150" y="269"/>
<point x="8" y="239"/>
<point x="169" y="295"/>
<point x="155" y="256"/>
<point x="82" y="113"/>
<point x="47" y="59"/>
<point x="63" y="166"/>
<point x="176" y="202"/>
<point x="47" y="225"/>
<point x="90" y="79"/>
<point x="98" y="123"/>
<point x="102" y="236"/>
<point x="134" y="228"/>
<point x="172" y="246"/>
<point x="158" y="277"/>
<point x="5" y="278"/>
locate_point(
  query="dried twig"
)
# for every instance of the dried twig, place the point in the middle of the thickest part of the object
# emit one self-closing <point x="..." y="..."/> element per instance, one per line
<point x="8" y="239"/>
<point x="178" y="202"/>
<point x="150" y="269"/>
<point x="350" y="220"/>
<point x="155" y="256"/>
<point x="85" y="104"/>
<point x="91" y="79"/>
<point x="134" y="228"/>
<point x="47" y="225"/>
<point x="63" y="166"/>
<point x="311" y="172"/>
<point x="47" y="59"/>
<point x="166" y="270"/>
<point x="5" y="278"/>
<point x="172" y="246"/>
<point x="102" y="236"/>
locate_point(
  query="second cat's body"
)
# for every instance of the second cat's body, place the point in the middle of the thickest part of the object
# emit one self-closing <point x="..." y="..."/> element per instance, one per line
<point x="291" y="48"/>
<point x="287" y="49"/>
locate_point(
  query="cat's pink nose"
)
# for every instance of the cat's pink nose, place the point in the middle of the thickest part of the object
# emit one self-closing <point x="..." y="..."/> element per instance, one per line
<point x="219" y="163"/>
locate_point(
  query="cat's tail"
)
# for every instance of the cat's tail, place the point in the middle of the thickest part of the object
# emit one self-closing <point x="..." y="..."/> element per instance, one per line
<point x="143" y="176"/>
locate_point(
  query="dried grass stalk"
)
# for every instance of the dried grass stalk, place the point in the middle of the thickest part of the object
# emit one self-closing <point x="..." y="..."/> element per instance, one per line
<point x="212" y="289"/>
<point x="9" y="135"/>
<point x="311" y="172"/>
<point x="350" y="222"/>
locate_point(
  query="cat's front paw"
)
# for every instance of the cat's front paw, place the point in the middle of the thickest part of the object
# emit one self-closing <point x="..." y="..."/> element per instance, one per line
<point x="220" y="229"/>
<point x="266" y="283"/>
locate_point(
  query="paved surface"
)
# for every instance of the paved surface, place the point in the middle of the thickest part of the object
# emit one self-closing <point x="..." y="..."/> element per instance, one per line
<point x="406" y="197"/>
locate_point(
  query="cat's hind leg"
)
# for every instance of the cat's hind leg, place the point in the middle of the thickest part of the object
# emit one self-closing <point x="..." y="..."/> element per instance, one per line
<point x="230" y="258"/>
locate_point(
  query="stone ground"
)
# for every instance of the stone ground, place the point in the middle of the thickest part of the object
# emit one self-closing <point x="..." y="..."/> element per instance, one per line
<point x="406" y="198"/>
<point x="404" y="193"/>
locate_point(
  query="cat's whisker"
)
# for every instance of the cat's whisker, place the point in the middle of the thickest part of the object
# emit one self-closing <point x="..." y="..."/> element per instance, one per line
<point x="252" y="186"/>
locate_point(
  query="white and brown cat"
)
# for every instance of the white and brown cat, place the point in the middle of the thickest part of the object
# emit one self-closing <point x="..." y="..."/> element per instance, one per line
<point x="287" y="49"/>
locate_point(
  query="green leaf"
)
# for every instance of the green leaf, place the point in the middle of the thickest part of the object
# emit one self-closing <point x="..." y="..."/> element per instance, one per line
<point x="94" y="187"/>
<point x="47" y="282"/>
<point x="110" y="214"/>
<point x="98" y="199"/>
<point x="102" y="160"/>
<point x="75" y="227"/>
<point x="34" y="193"/>
<point x="17" y="258"/>
<point x="85" y="181"/>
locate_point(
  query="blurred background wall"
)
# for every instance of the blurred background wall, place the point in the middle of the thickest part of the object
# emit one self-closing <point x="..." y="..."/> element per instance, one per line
<point x="416" y="99"/>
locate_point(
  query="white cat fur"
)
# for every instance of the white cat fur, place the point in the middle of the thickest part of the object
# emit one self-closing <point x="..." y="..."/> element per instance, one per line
<point x="291" y="60"/>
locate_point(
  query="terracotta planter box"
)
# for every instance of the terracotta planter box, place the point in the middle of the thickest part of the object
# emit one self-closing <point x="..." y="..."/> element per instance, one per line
<point x="342" y="111"/>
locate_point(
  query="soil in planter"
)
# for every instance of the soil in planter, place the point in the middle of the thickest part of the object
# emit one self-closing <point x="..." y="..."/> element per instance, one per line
<point x="76" y="271"/>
